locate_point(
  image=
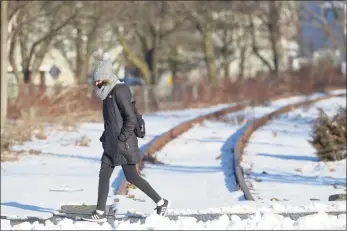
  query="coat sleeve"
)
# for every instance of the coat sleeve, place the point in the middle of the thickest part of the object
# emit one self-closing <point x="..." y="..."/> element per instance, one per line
<point x="123" y="97"/>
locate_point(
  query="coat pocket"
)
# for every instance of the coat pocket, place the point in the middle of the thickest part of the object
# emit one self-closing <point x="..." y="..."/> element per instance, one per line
<point x="126" y="149"/>
<point x="123" y="146"/>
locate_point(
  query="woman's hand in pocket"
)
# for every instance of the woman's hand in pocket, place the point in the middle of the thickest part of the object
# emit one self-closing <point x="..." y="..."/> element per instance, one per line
<point x="123" y="145"/>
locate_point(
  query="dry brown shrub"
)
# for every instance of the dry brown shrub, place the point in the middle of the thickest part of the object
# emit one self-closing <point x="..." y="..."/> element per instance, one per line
<point x="83" y="141"/>
<point x="34" y="109"/>
<point x="329" y="135"/>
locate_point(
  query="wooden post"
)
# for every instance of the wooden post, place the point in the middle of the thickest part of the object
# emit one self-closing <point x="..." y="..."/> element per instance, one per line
<point x="4" y="86"/>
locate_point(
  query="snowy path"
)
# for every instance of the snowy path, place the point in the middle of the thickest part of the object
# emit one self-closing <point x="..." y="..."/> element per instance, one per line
<point x="282" y="164"/>
<point x="26" y="184"/>
<point x="197" y="174"/>
<point x="191" y="167"/>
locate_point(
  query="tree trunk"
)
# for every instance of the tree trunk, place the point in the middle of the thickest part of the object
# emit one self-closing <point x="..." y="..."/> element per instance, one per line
<point x="154" y="67"/>
<point x="82" y="76"/>
<point x="84" y="68"/>
<point x="38" y="59"/>
<point x="135" y="60"/>
<point x="12" y="58"/>
<point x="275" y="55"/>
<point x="24" y="54"/>
<point x="173" y="68"/>
<point x="242" y="63"/>
<point x="148" y="54"/>
<point x="155" y="71"/>
<point x="225" y="63"/>
<point x="255" y="47"/>
<point x="36" y="63"/>
<point x="4" y="81"/>
<point x="226" y="68"/>
<point x="209" y="54"/>
<point x="152" y="63"/>
<point x="42" y="80"/>
<point x="226" y="53"/>
<point x="79" y="54"/>
<point x="26" y="72"/>
<point x="273" y="29"/>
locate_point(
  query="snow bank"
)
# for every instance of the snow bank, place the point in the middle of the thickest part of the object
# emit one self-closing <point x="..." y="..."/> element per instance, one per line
<point x="266" y="221"/>
<point x="258" y="221"/>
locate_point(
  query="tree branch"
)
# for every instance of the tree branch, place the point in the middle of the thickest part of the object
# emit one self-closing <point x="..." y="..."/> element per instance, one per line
<point x="49" y="35"/>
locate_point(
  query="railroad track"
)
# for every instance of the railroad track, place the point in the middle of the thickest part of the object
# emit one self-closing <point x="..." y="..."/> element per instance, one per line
<point x="164" y="139"/>
<point x="173" y="133"/>
<point x="252" y="127"/>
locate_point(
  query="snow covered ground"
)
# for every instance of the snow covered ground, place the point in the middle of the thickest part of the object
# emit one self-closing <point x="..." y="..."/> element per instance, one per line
<point x="280" y="163"/>
<point x="196" y="176"/>
<point x="26" y="184"/>
<point x="197" y="173"/>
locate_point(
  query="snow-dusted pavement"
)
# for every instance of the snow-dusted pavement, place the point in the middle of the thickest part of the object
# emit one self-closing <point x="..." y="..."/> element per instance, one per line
<point x="196" y="176"/>
<point x="280" y="163"/>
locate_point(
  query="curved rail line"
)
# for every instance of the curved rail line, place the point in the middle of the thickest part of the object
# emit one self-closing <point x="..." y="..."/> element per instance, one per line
<point x="241" y="143"/>
<point x="160" y="142"/>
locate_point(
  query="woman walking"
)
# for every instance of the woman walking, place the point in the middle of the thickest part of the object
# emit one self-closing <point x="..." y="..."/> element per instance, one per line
<point x="119" y="140"/>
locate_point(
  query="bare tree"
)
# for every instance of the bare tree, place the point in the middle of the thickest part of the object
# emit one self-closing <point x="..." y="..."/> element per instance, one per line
<point x="17" y="10"/>
<point x="327" y="21"/>
<point x="217" y="47"/>
<point x="145" y="25"/>
<point x="268" y="23"/>
<point x="89" y="32"/>
<point x="231" y="45"/>
<point x="180" y="51"/>
<point x="38" y="24"/>
<point x="232" y="31"/>
<point x="267" y="13"/>
<point x="4" y="86"/>
<point x="208" y="18"/>
<point x="201" y="15"/>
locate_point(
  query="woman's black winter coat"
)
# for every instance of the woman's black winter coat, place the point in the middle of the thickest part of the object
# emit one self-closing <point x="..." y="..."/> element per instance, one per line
<point x="119" y="141"/>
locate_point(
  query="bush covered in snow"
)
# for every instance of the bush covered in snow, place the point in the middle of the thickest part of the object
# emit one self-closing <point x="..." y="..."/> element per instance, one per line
<point x="329" y="135"/>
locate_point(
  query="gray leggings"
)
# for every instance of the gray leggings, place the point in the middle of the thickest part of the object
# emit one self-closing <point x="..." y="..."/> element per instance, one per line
<point x="131" y="176"/>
